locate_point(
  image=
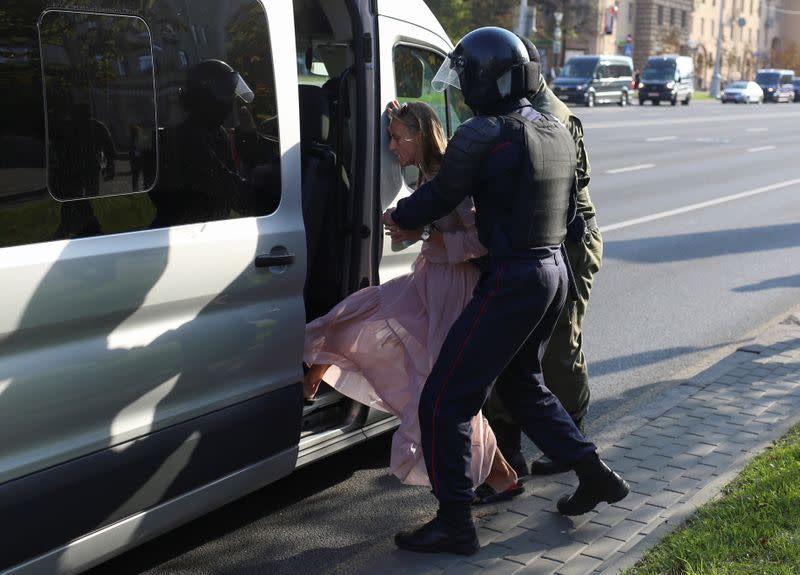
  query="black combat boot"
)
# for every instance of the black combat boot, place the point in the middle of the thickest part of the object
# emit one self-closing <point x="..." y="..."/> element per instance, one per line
<point x="451" y="531"/>
<point x="597" y="483"/>
<point x="508" y="437"/>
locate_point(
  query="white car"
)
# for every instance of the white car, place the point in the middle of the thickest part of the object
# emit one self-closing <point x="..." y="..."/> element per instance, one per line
<point x="743" y="92"/>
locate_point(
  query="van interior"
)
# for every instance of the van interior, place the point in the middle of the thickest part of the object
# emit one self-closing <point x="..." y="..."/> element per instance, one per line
<point x="328" y="104"/>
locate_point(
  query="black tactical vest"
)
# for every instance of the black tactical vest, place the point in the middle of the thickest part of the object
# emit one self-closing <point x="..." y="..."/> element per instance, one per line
<point x="533" y="196"/>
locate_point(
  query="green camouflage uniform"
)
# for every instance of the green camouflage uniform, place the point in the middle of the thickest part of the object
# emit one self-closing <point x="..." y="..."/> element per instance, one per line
<point x="564" y="365"/>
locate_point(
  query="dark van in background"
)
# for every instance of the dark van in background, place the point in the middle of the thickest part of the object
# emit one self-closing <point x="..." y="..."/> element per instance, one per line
<point x="591" y="80"/>
<point x="667" y="79"/>
<point x="778" y="85"/>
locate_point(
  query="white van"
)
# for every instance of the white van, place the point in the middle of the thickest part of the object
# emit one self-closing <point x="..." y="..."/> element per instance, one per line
<point x="157" y="273"/>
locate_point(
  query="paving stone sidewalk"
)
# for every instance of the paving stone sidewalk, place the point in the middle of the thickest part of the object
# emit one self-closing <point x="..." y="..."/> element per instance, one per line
<point x="693" y="440"/>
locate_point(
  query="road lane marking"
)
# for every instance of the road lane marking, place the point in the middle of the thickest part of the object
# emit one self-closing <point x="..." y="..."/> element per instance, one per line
<point x="673" y="121"/>
<point x="701" y="205"/>
<point x="757" y="130"/>
<point x="630" y="168"/>
<point x="661" y="139"/>
<point x="761" y="149"/>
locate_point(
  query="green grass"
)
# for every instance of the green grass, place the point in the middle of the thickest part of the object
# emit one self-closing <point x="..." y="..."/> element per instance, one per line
<point x="752" y="529"/>
<point x="701" y="96"/>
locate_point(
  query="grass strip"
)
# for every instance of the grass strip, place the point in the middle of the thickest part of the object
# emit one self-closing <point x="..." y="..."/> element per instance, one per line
<point x="753" y="528"/>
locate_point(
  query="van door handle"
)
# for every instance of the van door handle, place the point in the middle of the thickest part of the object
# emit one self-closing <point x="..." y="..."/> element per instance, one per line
<point x="273" y="260"/>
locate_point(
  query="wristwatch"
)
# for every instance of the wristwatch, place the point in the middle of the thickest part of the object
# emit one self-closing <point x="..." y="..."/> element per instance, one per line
<point x="426" y="233"/>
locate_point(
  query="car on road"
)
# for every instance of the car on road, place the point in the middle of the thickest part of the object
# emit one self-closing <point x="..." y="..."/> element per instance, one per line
<point x="594" y="79"/>
<point x="667" y="78"/>
<point x="778" y="85"/>
<point x="743" y="92"/>
<point x="796" y="84"/>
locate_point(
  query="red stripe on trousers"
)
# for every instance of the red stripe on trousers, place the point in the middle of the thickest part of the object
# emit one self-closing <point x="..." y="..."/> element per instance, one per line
<point x="447" y="379"/>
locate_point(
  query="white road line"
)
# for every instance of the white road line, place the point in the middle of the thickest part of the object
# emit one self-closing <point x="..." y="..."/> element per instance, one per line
<point x="761" y="149"/>
<point x="701" y="205"/>
<point x="661" y="139"/>
<point x="756" y="129"/>
<point x="630" y="168"/>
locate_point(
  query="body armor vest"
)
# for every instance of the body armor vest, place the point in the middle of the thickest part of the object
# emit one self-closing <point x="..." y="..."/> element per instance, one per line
<point x="535" y="195"/>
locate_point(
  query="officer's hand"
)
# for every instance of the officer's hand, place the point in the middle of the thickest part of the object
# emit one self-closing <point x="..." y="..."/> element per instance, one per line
<point x="401" y="235"/>
<point x="388" y="220"/>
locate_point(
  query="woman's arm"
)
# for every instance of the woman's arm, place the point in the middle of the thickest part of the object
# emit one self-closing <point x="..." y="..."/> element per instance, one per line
<point x="462" y="245"/>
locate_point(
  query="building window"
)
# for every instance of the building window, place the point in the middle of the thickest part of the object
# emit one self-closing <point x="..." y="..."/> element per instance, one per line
<point x="712" y="28"/>
<point x="683" y="18"/>
<point x="672" y="16"/>
<point x="751" y="6"/>
<point x="661" y="15"/>
<point x="630" y="12"/>
<point x="702" y="26"/>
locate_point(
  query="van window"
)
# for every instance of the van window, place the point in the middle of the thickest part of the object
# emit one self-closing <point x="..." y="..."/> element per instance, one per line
<point x="578" y="68"/>
<point x="659" y="70"/>
<point x="100" y="110"/>
<point x="120" y="85"/>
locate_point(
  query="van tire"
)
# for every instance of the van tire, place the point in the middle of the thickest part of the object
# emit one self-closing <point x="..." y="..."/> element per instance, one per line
<point x="641" y="101"/>
<point x="674" y="100"/>
<point x="590" y="100"/>
<point x="623" y="101"/>
<point x="687" y="100"/>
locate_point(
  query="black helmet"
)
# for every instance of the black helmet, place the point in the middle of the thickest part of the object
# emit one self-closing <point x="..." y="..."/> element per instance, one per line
<point x="211" y="88"/>
<point x="487" y="65"/>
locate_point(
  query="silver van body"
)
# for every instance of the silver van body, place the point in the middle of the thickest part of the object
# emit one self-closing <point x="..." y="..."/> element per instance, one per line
<point x="156" y="285"/>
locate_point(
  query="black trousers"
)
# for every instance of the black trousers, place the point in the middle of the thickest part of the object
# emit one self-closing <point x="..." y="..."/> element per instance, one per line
<point x="512" y="312"/>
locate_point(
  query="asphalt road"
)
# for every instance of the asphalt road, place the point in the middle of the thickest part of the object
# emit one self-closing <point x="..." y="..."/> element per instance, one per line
<point x="700" y="212"/>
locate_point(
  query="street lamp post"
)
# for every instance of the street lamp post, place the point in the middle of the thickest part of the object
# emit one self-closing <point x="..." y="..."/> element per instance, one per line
<point x="557" y="37"/>
<point x="720" y="31"/>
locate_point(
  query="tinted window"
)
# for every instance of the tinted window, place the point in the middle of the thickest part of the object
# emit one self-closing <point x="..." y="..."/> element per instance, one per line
<point x="100" y="109"/>
<point x="127" y="150"/>
<point x="767" y="77"/>
<point x="659" y="70"/>
<point x="579" y="68"/>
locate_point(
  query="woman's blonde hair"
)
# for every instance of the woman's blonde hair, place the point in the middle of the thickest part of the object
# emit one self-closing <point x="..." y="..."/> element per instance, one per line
<point x="420" y="118"/>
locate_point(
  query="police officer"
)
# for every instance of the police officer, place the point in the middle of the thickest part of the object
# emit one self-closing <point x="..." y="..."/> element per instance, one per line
<point x="519" y="167"/>
<point x="564" y="364"/>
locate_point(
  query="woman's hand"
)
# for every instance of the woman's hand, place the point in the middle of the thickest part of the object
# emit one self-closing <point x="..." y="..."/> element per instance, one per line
<point x="399" y="235"/>
<point x="393" y="105"/>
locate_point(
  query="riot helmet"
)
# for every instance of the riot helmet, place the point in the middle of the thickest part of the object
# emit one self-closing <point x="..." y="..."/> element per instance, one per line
<point x="488" y="66"/>
<point x="212" y="87"/>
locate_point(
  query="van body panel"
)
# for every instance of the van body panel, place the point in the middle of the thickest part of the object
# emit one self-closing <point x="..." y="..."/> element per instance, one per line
<point x="595" y="79"/>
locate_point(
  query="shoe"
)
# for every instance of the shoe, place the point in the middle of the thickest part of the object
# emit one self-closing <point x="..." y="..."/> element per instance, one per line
<point x="545" y="466"/>
<point x="517" y="462"/>
<point x="485" y="493"/>
<point x="597" y="483"/>
<point x="434" y="537"/>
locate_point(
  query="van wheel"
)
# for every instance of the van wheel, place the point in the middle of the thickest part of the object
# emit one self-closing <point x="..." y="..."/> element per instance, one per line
<point x="687" y="100"/>
<point x="674" y="100"/>
<point x="623" y="101"/>
<point x="641" y="101"/>
<point x="590" y="100"/>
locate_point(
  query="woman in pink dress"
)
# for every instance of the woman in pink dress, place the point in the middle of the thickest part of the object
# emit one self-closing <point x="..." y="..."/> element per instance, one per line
<point x="379" y="345"/>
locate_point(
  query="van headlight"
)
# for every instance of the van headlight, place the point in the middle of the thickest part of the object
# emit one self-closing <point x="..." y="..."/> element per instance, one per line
<point x="640" y="86"/>
<point x="581" y="88"/>
<point x="670" y="85"/>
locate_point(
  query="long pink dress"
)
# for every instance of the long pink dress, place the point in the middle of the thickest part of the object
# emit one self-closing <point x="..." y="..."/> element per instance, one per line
<point x="382" y="342"/>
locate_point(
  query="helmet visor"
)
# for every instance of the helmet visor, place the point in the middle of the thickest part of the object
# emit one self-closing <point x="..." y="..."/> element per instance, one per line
<point x="448" y="74"/>
<point x="243" y="91"/>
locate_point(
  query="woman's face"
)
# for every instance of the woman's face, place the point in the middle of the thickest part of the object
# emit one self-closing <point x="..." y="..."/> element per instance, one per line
<point x="403" y="144"/>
